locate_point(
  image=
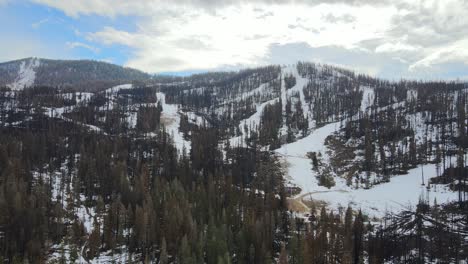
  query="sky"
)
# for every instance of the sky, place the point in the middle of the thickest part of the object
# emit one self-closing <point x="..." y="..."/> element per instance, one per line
<point x="420" y="39"/>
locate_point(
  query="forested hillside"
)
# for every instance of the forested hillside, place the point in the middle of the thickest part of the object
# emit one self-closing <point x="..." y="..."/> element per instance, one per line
<point x="304" y="163"/>
<point x="79" y="74"/>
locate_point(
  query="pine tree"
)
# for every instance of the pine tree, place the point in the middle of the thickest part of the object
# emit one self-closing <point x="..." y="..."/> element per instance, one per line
<point x="358" y="233"/>
<point x="283" y="258"/>
<point x="94" y="240"/>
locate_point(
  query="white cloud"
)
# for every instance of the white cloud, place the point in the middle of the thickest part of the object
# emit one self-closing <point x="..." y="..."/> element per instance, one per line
<point x="456" y="52"/>
<point x="112" y="8"/>
<point x="73" y="45"/>
<point x="205" y="34"/>
<point x="187" y="39"/>
<point x="395" y="47"/>
<point x="39" y="23"/>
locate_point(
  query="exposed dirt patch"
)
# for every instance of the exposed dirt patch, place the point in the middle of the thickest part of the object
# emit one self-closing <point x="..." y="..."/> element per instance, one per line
<point x="167" y="120"/>
<point x="296" y="205"/>
<point x="305" y="202"/>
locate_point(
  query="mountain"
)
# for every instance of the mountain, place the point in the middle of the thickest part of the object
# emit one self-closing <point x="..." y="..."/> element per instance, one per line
<point x="79" y="74"/>
<point x="346" y="137"/>
<point x="306" y="162"/>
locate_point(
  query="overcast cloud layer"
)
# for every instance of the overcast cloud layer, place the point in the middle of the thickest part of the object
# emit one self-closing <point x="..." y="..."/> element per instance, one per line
<point x="411" y="39"/>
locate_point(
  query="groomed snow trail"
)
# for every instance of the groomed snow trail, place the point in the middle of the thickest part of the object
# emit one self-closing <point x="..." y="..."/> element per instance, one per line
<point x="401" y="192"/>
<point x="170" y="117"/>
<point x="299" y="166"/>
<point x="254" y="120"/>
<point x="368" y="98"/>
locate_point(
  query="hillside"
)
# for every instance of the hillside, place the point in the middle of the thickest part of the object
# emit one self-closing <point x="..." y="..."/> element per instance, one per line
<point x="346" y="138"/>
<point x="234" y="167"/>
<point x="79" y="74"/>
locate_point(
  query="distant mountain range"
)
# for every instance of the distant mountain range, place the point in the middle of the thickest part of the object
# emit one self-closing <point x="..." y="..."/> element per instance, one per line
<point x="74" y="73"/>
<point x="90" y="75"/>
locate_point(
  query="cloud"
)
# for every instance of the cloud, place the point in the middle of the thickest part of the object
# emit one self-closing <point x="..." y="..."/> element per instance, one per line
<point x="187" y="35"/>
<point x="112" y="8"/>
<point x="346" y="18"/>
<point x="355" y="59"/>
<point x="191" y="43"/>
<point x="110" y="35"/>
<point x="38" y="24"/>
<point x="234" y="35"/>
<point x="456" y="52"/>
<point x="73" y="45"/>
<point x="395" y="47"/>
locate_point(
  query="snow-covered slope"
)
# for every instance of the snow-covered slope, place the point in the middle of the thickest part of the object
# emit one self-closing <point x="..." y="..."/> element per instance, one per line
<point x="170" y="117"/>
<point x="299" y="167"/>
<point x="254" y="120"/>
<point x="402" y="190"/>
<point x="368" y="98"/>
<point x="26" y="74"/>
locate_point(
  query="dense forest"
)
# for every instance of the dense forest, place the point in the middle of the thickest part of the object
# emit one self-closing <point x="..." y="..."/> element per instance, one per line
<point x="184" y="170"/>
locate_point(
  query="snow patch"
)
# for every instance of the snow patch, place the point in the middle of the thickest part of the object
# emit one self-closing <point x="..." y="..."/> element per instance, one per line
<point x="170" y="117"/>
<point x="26" y="74"/>
<point x="196" y="119"/>
<point x="368" y="98"/>
<point x="115" y="89"/>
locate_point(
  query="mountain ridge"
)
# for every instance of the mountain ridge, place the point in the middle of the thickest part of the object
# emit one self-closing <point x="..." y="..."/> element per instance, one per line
<point x="33" y="71"/>
<point x="81" y="74"/>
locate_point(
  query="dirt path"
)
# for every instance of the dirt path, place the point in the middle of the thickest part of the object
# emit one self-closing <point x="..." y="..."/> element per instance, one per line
<point x="297" y="204"/>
